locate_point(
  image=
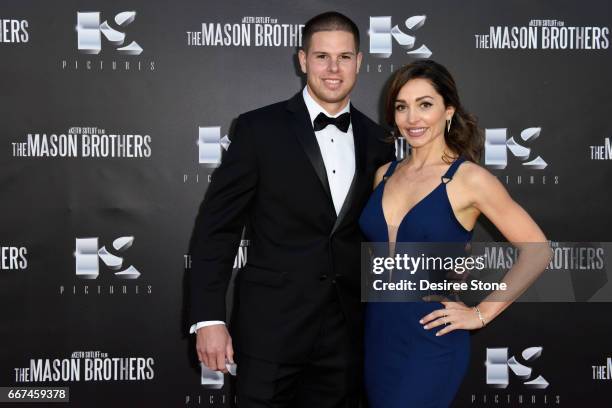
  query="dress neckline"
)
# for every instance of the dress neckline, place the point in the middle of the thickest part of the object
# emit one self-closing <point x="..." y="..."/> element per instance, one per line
<point x="444" y="180"/>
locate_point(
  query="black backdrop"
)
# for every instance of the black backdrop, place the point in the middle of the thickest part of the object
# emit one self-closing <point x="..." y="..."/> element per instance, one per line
<point x="182" y="87"/>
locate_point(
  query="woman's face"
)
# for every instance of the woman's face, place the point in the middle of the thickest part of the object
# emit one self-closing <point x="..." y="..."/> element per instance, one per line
<point x="420" y="114"/>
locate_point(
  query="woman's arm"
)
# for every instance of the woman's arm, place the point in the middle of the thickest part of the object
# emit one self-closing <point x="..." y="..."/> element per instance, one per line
<point x="490" y="198"/>
<point x="482" y="193"/>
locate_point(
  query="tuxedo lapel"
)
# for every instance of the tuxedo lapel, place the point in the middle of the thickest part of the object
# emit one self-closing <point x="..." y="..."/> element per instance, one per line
<point x="302" y="129"/>
<point x="360" y="138"/>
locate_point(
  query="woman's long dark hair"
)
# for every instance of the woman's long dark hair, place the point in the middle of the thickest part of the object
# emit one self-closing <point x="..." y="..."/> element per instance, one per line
<point x="464" y="138"/>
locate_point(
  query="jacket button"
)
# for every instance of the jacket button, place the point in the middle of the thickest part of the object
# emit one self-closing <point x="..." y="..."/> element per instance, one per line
<point x="322" y="277"/>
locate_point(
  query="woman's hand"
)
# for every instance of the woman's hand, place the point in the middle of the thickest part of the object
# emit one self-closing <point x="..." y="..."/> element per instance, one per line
<point x="455" y="315"/>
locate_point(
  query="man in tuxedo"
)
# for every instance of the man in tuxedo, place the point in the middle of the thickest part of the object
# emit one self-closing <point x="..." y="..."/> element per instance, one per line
<point x="297" y="175"/>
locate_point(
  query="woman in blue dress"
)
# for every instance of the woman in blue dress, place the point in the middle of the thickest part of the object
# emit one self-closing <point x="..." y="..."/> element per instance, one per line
<point x="417" y="353"/>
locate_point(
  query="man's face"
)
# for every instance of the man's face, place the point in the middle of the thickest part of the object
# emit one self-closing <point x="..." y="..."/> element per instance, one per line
<point x="331" y="66"/>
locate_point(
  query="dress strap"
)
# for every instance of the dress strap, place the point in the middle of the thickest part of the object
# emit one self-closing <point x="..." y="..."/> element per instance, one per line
<point x="390" y="170"/>
<point x="448" y="176"/>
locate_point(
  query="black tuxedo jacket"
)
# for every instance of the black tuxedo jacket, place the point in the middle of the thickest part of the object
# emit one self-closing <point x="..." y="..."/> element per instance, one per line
<point x="273" y="180"/>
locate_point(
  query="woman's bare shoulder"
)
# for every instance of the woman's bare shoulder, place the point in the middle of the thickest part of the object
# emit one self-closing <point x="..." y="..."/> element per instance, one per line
<point x="380" y="173"/>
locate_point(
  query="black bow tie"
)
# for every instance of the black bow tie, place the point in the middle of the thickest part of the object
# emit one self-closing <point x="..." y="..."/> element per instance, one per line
<point x="342" y="122"/>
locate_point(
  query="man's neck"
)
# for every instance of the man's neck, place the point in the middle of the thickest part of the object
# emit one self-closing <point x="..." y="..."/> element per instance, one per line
<point x="331" y="108"/>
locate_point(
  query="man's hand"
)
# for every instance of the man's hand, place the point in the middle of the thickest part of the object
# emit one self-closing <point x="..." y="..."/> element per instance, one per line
<point x="214" y="347"/>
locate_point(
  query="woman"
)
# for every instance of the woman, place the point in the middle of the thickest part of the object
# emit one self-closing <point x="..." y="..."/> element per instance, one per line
<point x="416" y="354"/>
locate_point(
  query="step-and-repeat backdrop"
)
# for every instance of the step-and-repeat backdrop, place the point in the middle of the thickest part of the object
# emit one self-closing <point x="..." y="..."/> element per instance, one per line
<point x="114" y="114"/>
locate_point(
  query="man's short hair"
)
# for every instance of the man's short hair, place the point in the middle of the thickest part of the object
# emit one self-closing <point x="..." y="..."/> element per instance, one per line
<point x="329" y="21"/>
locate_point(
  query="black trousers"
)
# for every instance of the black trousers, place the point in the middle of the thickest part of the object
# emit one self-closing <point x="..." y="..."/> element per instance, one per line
<point x="330" y="378"/>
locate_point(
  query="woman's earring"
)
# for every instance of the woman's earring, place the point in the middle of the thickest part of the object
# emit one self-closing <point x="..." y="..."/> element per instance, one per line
<point x="448" y="124"/>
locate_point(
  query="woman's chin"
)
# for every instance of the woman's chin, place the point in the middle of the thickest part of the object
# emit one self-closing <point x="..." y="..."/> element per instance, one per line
<point x="416" y="142"/>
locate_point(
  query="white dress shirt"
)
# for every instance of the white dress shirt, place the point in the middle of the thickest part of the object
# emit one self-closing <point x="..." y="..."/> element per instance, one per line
<point x="337" y="149"/>
<point x="338" y="152"/>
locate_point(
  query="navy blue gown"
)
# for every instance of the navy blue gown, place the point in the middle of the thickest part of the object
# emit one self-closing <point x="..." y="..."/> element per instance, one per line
<point x="406" y="365"/>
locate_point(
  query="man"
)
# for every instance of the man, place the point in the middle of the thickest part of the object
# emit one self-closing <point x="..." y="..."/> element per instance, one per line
<point x="297" y="174"/>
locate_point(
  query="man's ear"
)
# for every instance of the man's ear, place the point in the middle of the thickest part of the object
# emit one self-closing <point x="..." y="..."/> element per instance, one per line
<point x="359" y="58"/>
<point x="302" y="59"/>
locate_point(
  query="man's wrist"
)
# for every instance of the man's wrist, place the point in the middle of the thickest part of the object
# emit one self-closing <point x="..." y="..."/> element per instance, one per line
<point x="194" y="328"/>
